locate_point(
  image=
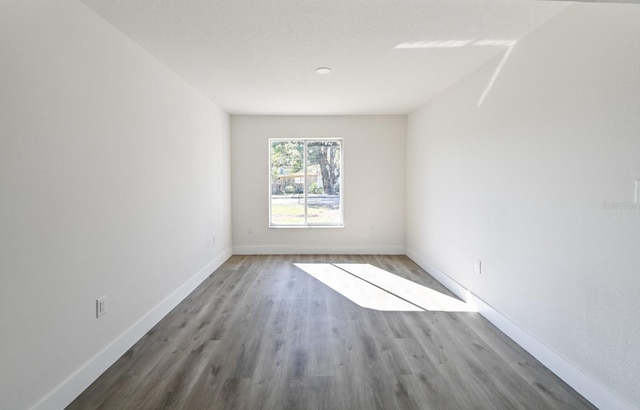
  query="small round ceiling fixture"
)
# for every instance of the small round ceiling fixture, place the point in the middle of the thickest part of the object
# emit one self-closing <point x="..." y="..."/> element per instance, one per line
<point x="323" y="70"/>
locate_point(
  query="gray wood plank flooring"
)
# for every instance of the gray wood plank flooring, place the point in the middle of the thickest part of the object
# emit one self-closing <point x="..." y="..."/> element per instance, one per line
<point x="261" y="333"/>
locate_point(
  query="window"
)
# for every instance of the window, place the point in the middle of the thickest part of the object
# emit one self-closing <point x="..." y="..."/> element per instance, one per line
<point x="305" y="178"/>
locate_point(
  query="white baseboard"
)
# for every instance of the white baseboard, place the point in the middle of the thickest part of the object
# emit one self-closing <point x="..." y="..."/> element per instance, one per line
<point x="318" y="250"/>
<point x="76" y="383"/>
<point x="584" y="384"/>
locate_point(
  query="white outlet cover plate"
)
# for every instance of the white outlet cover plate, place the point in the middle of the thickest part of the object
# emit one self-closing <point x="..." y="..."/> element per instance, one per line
<point x="101" y="306"/>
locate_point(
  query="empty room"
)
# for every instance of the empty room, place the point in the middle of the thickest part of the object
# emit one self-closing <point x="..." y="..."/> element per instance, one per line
<point x="346" y="204"/>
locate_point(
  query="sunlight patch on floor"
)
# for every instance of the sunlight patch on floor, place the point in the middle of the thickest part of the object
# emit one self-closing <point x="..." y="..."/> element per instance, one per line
<point x="374" y="288"/>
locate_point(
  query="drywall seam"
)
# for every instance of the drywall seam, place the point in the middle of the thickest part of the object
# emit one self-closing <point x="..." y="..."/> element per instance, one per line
<point x="584" y="384"/>
<point x="76" y="383"/>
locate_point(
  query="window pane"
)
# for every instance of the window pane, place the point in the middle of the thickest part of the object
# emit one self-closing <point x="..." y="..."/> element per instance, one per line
<point x="323" y="182"/>
<point x="287" y="182"/>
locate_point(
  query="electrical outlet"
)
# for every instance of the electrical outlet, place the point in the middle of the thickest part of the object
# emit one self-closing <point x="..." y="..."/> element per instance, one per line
<point x="250" y="229"/>
<point x="101" y="306"/>
<point x="372" y="228"/>
<point x="477" y="266"/>
<point x="636" y="199"/>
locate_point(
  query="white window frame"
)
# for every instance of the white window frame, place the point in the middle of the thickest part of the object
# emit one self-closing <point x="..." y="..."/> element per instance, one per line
<point x="306" y="224"/>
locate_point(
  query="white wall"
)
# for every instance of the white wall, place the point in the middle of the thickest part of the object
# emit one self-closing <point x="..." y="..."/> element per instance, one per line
<point x="537" y="182"/>
<point x="373" y="185"/>
<point x="114" y="180"/>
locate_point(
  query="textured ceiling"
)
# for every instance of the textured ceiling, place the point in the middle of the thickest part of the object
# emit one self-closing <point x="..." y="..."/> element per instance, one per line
<point x="259" y="56"/>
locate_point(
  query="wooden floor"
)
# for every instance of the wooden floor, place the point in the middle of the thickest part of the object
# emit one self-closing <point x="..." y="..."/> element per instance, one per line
<point x="262" y="334"/>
